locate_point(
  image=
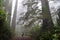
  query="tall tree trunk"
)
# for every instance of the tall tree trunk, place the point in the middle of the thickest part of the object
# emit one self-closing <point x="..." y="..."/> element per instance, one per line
<point x="14" y="17"/>
<point x="58" y="20"/>
<point x="47" y="20"/>
<point x="58" y="23"/>
<point x="47" y="25"/>
<point x="8" y="8"/>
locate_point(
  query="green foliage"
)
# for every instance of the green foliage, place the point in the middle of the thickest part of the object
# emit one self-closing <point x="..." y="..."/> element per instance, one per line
<point x="55" y="37"/>
<point x="47" y="35"/>
<point x="35" y="32"/>
<point x="5" y="32"/>
<point x="2" y="17"/>
<point x="56" y="34"/>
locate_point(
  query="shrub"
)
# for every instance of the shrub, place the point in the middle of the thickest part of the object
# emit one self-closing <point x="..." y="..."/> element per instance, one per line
<point x="35" y="32"/>
<point x="5" y="31"/>
<point x="53" y="34"/>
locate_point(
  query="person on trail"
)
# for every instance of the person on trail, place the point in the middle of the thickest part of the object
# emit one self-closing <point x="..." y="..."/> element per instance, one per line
<point x="22" y="34"/>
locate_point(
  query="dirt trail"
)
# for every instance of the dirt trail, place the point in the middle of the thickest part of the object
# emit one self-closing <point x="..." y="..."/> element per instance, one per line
<point x="22" y="38"/>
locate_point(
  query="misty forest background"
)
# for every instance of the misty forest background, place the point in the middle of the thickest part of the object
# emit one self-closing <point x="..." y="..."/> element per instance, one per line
<point x="39" y="19"/>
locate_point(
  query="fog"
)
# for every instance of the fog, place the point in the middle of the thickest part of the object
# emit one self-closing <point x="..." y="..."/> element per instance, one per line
<point x="54" y="5"/>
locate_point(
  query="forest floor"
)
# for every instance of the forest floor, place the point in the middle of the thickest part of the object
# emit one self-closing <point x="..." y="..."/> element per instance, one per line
<point x="22" y="38"/>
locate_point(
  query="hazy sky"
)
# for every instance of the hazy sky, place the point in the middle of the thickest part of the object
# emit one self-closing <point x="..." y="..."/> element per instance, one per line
<point x="20" y="8"/>
<point x="54" y="4"/>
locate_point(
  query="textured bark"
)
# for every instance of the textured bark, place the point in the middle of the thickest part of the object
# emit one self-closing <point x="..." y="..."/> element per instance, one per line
<point x="58" y="20"/>
<point x="47" y="20"/>
<point x="14" y="16"/>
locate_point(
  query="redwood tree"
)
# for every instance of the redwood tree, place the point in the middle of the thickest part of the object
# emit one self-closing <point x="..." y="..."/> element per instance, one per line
<point x="47" y="25"/>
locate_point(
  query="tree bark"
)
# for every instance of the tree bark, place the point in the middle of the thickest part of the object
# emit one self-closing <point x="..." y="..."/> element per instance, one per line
<point x="47" y="20"/>
<point x="14" y="16"/>
<point x="58" y="20"/>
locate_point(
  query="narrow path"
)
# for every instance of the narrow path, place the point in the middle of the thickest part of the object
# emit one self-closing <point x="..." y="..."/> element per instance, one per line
<point x="22" y="38"/>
